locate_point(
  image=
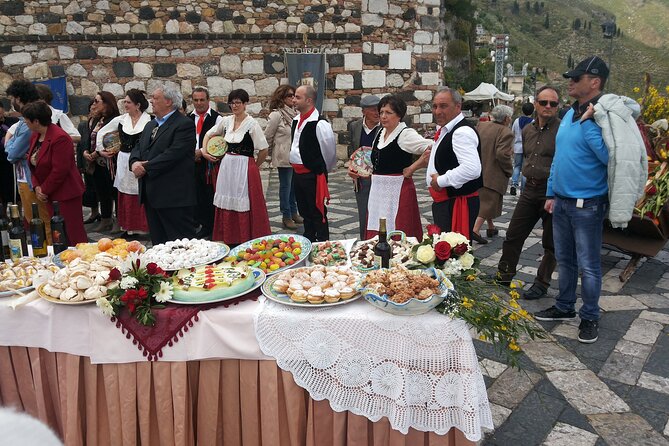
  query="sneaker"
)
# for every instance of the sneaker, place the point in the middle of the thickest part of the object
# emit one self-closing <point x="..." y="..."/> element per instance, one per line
<point x="553" y="314"/>
<point x="588" y="331"/>
<point x="512" y="191"/>
<point x="536" y="291"/>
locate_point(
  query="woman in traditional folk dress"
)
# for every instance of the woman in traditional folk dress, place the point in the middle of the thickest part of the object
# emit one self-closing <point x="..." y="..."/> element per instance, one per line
<point x="241" y="212"/>
<point x="393" y="195"/>
<point x="130" y="213"/>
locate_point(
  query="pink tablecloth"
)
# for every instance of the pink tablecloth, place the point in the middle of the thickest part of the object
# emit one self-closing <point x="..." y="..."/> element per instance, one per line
<point x="211" y="402"/>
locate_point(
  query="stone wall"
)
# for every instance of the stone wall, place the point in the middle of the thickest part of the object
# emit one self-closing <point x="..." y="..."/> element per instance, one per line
<point x="372" y="46"/>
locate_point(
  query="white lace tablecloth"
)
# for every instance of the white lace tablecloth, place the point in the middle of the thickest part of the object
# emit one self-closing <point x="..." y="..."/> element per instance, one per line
<point x="419" y="371"/>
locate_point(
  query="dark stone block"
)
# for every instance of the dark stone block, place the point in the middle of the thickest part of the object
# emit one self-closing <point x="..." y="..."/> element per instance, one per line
<point x="310" y="18"/>
<point x="5" y="49"/>
<point x="123" y="69"/>
<point x="164" y="69"/>
<point x="57" y="70"/>
<point x="343" y="138"/>
<point x="426" y="107"/>
<point x="355" y="13"/>
<point x="368" y="30"/>
<point x="575" y="418"/>
<point x="329" y="83"/>
<point x="318" y="8"/>
<point x="174" y="14"/>
<point x="210" y="69"/>
<point x="224" y="14"/>
<point x="352" y="100"/>
<point x="48" y="17"/>
<point x="193" y="17"/>
<point x="429" y="22"/>
<point x="652" y="406"/>
<point x="423" y="66"/>
<point x="379" y="60"/>
<point x="78" y="17"/>
<point x="147" y="13"/>
<point x="406" y="96"/>
<point x="658" y="362"/>
<point x="268" y="63"/>
<point x="357" y="81"/>
<point x="336" y="19"/>
<point x="110" y="18"/>
<point x="239" y="20"/>
<point x="283" y="14"/>
<point x="12" y="7"/>
<point x="409" y="14"/>
<point x="79" y="105"/>
<point x="223" y="107"/>
<point x="335" y="60"/>
<point x="86" y="52"/>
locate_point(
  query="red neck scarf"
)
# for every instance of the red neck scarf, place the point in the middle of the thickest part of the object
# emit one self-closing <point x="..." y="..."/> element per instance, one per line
<point x="200" y="122"/>
<point x="304" y="116"/>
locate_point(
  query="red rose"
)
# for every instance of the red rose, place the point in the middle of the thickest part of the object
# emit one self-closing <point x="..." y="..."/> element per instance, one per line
<point x="129" y="296"/>
<point x="137" y="263"/>
<point x="152" y="268"/>
<point x="651" y="190"/>
<point x="460" y="249"/>
<point x="442" y="250"/>
<point x="142" y="293"/>
<point x="131" y="307"/>
<point x="433" y="230"/>
<point x="114" y="274"/>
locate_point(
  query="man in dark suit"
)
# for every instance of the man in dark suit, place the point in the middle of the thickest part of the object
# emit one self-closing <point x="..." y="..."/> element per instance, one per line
<point x="163" y="161"/>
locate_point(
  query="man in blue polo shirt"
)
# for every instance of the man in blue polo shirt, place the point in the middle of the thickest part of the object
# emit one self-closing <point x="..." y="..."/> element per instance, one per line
<point x="579" y="190"/>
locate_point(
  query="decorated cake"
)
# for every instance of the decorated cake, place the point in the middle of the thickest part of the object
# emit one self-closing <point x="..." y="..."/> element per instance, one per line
<point x="211" y="282"/>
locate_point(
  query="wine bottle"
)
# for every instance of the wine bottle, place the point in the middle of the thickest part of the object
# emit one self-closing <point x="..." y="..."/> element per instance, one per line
<point x="58" y="233"/>
<point x="37" y="233"/>
<point x="17" y="235"/>
<point x="4" y="233"/>
<point x="382" y="250"/>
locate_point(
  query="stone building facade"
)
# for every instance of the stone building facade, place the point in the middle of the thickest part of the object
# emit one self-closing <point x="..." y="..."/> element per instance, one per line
<point x="372" y="46"/>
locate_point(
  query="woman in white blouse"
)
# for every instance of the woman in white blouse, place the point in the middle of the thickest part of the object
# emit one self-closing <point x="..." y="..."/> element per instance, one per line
<point x="241" y="212"/>
<point x="130" y="213"/>
<point x="393" y="195"/>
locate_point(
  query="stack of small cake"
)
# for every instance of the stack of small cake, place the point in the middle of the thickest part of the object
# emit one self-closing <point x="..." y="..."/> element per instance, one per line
<point x="318" y="284"/>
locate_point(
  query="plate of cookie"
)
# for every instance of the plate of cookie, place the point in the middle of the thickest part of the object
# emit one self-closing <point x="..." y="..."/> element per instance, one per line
<point x="315" y="286"/>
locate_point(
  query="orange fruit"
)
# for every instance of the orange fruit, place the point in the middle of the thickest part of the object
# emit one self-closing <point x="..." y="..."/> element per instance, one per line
<point x="104" y="244"/>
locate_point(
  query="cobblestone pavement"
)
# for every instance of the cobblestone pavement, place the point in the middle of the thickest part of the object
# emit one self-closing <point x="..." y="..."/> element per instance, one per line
<point x="615" y="391"/>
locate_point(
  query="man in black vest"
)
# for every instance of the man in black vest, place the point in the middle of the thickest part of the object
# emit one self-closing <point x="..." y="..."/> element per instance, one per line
<point x="312" y="155"/>
<point x="454" y="170"/>
<point x="205" y="118"/>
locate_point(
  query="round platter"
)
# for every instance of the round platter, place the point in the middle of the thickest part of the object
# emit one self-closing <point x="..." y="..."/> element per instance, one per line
<point x="259" y="279"/>
<point x="361" y="161"/>
<point x="217" y="146"/>
<point x="20" y="291"/>
<point x="62" y="302"/>
<point x="284" y="299"/>
<point x="223" y="251"/>
<point x="58" y="261"/>
<point x="304" y="242"/>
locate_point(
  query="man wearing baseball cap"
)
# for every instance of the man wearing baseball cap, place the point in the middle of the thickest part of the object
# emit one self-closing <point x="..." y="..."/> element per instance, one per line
<point x="577" y="195"/>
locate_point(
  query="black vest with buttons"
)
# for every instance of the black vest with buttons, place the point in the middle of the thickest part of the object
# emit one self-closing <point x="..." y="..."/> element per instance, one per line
<point x="445" y="160"/>
<point x="310" y="148"/>
<point x="391" y="159"/>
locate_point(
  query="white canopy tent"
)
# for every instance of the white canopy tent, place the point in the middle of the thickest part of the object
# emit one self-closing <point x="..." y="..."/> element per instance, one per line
<point x="487" y="92"/>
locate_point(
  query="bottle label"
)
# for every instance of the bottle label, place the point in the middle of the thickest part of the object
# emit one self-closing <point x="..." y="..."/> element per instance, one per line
<point x="16" y="250"/>
<point x="5" y="238"/>
<point x="57" y="234"/>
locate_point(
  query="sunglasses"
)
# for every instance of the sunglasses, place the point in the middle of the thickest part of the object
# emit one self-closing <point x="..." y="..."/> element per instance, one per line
<point x="97" y="101"/>
<point x="544" y="103"/>
<point x="289" y="95"/>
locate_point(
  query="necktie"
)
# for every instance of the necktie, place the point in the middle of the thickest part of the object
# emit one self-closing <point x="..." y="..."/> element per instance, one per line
<point x="200" y="123"/>
<point x="153" y="132"/>
<point x="436" y="135"/>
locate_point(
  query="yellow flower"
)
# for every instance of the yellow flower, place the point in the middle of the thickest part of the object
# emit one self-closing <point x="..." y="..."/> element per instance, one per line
<point x="513" y="346"/>
<point x="495" y="298"/>
<point x="514" y="294"/>
<point x="524" y="313"/>
<point x="636" y="89"/>
<point x="514" y="317"/>
<point x="483" y="337"/>
<point x="513" y="284"/>
<point x="471" y="277"/>
<point x="514" y="304"/>
<point x="467" y="304"/>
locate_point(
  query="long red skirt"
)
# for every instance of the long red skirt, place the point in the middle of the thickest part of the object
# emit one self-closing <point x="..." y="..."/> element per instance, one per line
<point x="233" y="227"/>
<point x="72" y="212"/>
<point x="130" y="213"/>
<point x="408" y="214"/>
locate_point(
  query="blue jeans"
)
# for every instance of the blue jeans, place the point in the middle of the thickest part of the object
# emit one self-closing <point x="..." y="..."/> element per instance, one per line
<point x="287" y="202"/>
<point x="517" y="166"/>
<point x="577" y="235"/>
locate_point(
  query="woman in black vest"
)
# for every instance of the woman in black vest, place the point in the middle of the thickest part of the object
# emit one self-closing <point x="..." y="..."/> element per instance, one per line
<point x="393" y="194"/>
<point x="129" y="126"/>
<point x="241" y="211"/>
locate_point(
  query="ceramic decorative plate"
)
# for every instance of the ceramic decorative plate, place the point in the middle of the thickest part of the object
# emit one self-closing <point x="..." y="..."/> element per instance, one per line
<point x="261" y="255"/>
<point x="259" y="279"/>
<point x="217" y="146"/>
<point x="285" y="299"/>
<point x="62" y="302"/>
<point x="361" y="161"/>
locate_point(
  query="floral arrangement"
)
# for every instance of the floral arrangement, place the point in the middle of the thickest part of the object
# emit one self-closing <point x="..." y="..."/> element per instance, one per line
<point x="479" y="299"/>
<point x="448" y="251"/>
<point x="138" y="288"/>
<point x="655" y="129"/>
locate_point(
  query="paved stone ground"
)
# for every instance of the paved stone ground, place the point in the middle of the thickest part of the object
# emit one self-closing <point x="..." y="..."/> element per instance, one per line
<point x="613" y="392"/>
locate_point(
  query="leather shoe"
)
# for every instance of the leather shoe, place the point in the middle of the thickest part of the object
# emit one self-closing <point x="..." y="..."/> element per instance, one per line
<point x="92" y="219"/>
<point x="536" y="291"/>
<point x="289" y="224"/>
<point x="297" y="219"/>
<point x="478" y="239"/>
<point x="491" y="232"/>
<point x="512" y="191"/>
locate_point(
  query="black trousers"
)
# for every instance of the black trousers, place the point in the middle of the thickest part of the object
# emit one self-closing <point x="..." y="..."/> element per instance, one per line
<point x="442" y="213"/>
<point x="167" y="224"/>
<point x="104" y="190"/>
<point x="529" y="210"/>
<point x="316" y="226"/>
<point x="204" y="210"/>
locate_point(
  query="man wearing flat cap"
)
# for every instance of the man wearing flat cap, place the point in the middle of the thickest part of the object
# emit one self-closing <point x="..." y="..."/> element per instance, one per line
<point x="577" y="196"/>
<point x="362" y="133"/>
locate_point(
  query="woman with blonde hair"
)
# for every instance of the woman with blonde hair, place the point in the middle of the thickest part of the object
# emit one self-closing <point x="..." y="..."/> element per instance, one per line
<point x="278" y="137"/>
